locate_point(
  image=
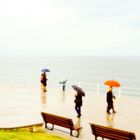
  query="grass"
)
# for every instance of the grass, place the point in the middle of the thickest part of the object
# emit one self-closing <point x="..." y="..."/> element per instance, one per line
<point x="26" y="135"/>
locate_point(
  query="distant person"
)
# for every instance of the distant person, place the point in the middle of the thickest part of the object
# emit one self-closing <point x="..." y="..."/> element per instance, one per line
<point x="44" y="80"/>
<point x="63" y="83"/>
<point x="64" y="86"/>
<point x="109" y="99"/>
<point x="78" y="104"/>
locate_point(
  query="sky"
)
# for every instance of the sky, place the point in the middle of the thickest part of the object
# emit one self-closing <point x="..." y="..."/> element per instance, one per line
<point x="70" y="27"/>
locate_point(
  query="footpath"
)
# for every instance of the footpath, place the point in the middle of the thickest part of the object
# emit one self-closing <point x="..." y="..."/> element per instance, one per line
<point x="24" y="107"/>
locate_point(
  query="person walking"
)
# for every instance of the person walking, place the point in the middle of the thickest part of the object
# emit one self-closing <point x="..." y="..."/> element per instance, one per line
<point x="78" y="104"/>
<point x="109" y="99"/>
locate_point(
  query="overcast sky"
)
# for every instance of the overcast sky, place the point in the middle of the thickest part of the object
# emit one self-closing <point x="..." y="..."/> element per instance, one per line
<point x="70" y="27"/>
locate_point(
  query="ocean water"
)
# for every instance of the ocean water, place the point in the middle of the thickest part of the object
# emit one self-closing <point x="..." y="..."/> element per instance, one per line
<point x="88" y="71"/>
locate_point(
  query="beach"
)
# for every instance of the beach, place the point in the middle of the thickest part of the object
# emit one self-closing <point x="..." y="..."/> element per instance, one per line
<point x="24" y="107"/>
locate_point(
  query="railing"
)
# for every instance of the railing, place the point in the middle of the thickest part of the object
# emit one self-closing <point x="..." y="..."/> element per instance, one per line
<point x="100" y="89"/>
<point x="97" y="88"/>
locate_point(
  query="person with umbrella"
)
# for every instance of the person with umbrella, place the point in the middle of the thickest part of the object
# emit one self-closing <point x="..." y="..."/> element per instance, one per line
<point x="44" y="78"/>
<point x="63" y="83"/>
<point x="109" y="99"/>
<point x="43" y="81"/>
<point x="78" y="99"/>
<point x="110" y="96"/>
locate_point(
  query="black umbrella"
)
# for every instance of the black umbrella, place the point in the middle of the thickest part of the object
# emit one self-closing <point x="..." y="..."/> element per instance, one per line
<point x="79" y="90"/>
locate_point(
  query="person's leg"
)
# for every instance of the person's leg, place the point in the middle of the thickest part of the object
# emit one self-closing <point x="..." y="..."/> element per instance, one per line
<point x="113" y="108"/>
<point x="63" y="87"/>
<point x="108" y="108"/>
<point x="45" y="89"/>
<point x="78" y="110"/>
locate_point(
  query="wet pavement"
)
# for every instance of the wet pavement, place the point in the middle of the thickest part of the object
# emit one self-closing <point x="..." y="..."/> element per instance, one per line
<point x="23" y="107"/>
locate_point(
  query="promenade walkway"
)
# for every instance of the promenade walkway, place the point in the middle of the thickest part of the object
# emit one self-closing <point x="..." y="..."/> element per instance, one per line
<point x="23" y="107"/>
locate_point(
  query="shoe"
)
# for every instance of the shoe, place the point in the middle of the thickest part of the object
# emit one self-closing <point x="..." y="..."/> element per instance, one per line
<point x="108" y="112"/>
<point x="79" y="116"/>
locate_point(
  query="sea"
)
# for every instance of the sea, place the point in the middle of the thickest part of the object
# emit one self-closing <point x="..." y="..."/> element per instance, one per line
<point x="90" y="73"/>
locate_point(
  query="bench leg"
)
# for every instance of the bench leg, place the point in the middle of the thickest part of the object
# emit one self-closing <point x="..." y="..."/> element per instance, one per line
<point x="95" y="137"/>
<point x="70" y="132"/>
<point x="50" y="128"/>
<point x="75" y="135"/>
<point x="78" y="133"/>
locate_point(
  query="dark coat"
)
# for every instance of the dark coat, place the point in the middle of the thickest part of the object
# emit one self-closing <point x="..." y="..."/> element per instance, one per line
<point x="43" y="79"/>
<point x="109" y="97"/>
<point x="78" y="100"/>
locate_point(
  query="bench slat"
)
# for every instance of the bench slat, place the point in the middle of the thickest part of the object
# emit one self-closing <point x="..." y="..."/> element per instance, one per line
<point x="57" y="120"/>
<point x="100" y="130"/>
<point x="113" y="136"/>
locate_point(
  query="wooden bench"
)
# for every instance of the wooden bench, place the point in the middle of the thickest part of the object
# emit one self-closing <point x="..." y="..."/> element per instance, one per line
<point x="60" y="121"/>
<point x="111" y="133"/>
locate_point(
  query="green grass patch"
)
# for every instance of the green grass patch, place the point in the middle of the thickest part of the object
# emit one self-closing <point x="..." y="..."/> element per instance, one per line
<point x="26" y="135"/>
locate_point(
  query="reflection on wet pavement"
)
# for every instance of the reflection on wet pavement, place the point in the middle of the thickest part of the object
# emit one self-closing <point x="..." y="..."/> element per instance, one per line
<point x="110" y="119"/>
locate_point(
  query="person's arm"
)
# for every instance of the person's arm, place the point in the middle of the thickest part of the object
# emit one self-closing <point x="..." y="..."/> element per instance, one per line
<point x="114" y="97"/>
